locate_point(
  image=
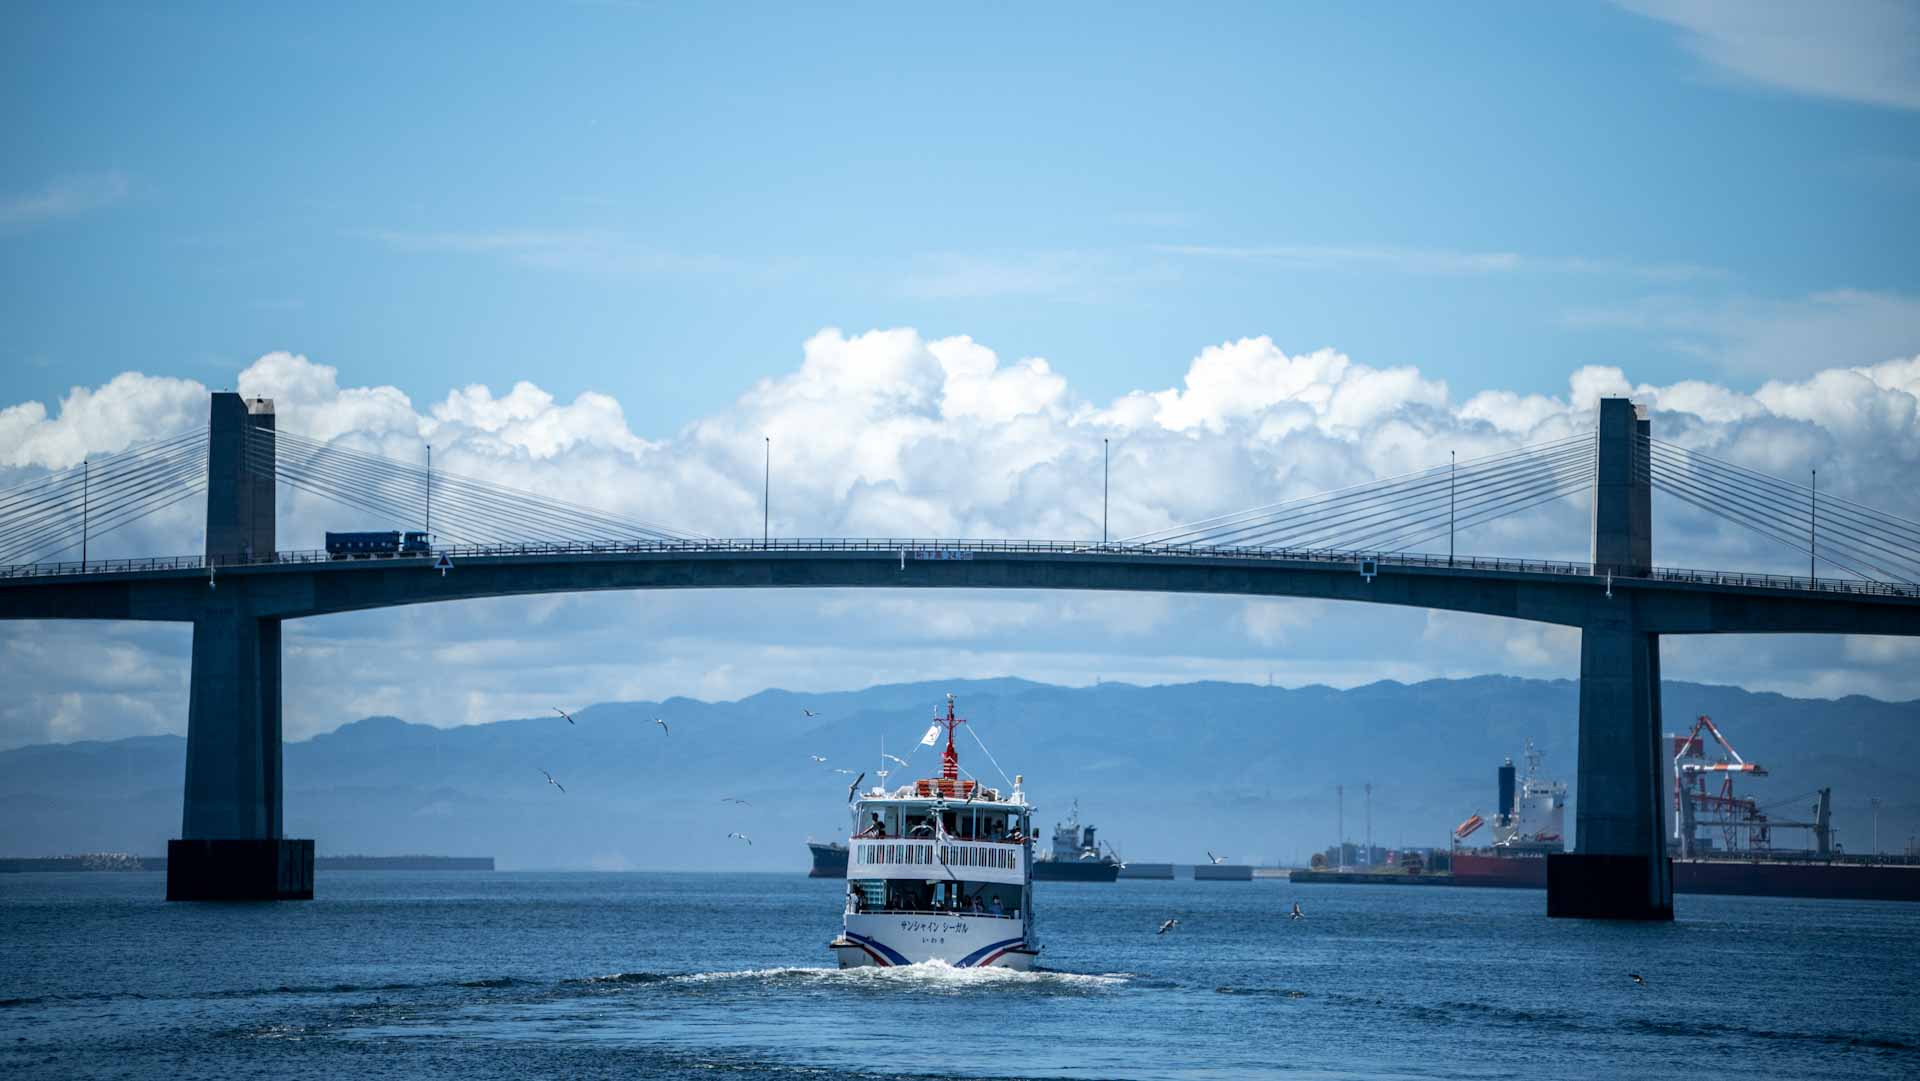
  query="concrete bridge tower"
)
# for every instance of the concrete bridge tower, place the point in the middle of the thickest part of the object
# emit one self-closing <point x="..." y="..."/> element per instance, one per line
<point x="1619" y="868"/>
<point x="231" y="845"/>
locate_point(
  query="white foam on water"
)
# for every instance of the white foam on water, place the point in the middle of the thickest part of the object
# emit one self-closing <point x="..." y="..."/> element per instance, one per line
<point x="927" y="975"/>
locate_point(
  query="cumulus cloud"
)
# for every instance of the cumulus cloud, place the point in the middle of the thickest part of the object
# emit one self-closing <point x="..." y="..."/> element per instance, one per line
<point x="890" y="433"/>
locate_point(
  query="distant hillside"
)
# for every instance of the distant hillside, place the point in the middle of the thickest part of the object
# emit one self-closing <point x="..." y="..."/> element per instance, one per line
<point x="1166" y="772"/>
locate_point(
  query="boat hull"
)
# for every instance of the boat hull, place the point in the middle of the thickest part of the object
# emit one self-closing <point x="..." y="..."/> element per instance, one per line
<point x="889" y="940"/>
<point x="829" y="861"/>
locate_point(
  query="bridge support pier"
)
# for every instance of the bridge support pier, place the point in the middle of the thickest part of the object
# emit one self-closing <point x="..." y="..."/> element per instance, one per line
<point x="231" y="846"/>
<point x="1619" y="867"/>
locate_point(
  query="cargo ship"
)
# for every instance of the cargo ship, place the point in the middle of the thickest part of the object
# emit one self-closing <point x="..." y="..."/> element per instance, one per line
<point x="1529" y="821"/>
<point x="1722" y="842"/>
<point x="1076" y="856"/>
<point x="829" y="860"/>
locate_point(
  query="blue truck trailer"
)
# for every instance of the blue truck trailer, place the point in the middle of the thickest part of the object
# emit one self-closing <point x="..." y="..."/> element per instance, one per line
<point x="382" y="545"/>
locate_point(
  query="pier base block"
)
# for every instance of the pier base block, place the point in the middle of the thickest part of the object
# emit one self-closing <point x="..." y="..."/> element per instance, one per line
<point x="1604" y="887"/>
<point x="269" y="870"/>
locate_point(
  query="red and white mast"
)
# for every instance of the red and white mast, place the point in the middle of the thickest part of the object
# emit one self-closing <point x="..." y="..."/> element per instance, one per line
<point x="949" y="758"/>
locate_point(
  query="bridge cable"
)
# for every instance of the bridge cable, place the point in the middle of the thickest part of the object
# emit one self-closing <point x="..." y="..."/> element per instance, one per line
<point x="155" y="487"/>
<point x="1316" y="530"/>
<point x="1479" y="491"/>
<point x="128" y="478"/>
<point x="1730" y="505"/>
<point x="330" y="464"/>
<point x="493" y="494"/>
<point x="41" y="488"/>
<point x="1437" y="474"/>
<point x="1840" y="531"/>
<point x="1836" y="513"/>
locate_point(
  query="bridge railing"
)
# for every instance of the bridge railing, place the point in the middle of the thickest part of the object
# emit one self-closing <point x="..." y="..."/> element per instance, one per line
<point x="936" y="548"/>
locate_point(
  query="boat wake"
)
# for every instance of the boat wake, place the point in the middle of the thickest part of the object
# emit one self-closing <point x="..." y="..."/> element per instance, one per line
<point x="928" y="976"/>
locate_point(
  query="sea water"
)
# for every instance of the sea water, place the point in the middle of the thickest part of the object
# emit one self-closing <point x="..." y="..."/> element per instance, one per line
<point x="483" y="975"/>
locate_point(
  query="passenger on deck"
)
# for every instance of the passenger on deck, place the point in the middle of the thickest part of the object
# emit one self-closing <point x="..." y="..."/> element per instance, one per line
<point x="978" y="908"/>
<point x="877" y="829"/>
<point x="996" y="907"/>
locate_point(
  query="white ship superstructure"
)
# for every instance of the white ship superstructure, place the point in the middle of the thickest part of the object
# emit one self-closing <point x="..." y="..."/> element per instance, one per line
<point x="1535" y="817"/>
<point x="939" y="869"/>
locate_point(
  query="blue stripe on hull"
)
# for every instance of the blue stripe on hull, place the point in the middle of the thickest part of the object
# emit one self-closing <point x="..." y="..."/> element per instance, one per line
<point x="886" y="952"/>
<point x="977" y="956"/>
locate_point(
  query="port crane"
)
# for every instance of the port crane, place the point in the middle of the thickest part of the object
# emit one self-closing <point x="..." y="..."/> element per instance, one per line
<point x="1743" y="824"/>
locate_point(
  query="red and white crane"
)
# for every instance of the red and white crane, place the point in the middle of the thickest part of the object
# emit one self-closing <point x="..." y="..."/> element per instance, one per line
<point x="1695" y="805"/>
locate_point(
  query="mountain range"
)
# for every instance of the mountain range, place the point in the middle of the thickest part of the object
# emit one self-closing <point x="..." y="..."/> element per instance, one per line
<point x="1167" y="772"/>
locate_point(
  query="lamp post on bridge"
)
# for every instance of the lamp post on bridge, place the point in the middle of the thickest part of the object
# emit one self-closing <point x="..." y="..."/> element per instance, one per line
<point x="1453" y="466"/>
<point x="766" y="494"/>
<point x="1106" y="459"/>
<point x="86" y="491"/>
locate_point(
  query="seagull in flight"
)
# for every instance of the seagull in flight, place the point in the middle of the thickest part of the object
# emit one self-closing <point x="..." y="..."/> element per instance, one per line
<point x="855" y="786"/>
<point x="564" y="713"/>
<point x="662" y="722"/>
<point x="1216" y="860"/>
<point x="808" y="712"/>
<point x="1167" y="926"/>
<point x="843" y="769"/>
<point x="1637" y="981"/>
<point x="743" y="837"/>
<point x="818" y="757"/>
<point x="733" y="799"/>
<point x="893" y="757"/>
<point x="553" y="782"/>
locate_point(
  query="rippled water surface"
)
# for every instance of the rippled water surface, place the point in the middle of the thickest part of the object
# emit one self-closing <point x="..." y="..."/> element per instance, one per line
<point x="637" y="975"/>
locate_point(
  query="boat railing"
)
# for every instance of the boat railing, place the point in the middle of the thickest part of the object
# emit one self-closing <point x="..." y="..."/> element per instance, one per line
<point x="949" y="839"/>
<point x="943" y="913"/>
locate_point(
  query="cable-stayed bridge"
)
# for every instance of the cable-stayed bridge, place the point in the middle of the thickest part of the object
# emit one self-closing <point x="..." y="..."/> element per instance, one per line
<point x="1389" y="541"/>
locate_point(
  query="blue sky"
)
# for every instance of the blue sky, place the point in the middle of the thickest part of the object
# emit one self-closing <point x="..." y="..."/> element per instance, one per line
<point x="602" y="249"/>
<point x="661" y="203"/>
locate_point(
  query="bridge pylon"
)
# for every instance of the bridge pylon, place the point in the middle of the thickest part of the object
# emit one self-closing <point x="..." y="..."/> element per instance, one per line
<point x="1619" y="868"/>
<point x="231" y="845"/>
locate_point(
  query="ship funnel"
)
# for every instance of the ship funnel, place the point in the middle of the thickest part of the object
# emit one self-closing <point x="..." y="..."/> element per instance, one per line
<point x="1506" y="789"/>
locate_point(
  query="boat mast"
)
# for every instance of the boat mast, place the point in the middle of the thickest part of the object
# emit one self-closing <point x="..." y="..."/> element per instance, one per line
<point x="949" y="758"/>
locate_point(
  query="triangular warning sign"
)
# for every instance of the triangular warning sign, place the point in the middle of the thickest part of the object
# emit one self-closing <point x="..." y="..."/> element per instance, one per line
<point x="443" y="564"/>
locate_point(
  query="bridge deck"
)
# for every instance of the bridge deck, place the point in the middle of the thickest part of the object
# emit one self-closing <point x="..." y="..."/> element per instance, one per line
<point x="296" y="584"/>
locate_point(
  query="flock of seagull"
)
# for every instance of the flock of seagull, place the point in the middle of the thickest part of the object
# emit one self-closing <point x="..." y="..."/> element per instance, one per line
<point x="735" y="835"/>
<point x="661" y="721"/>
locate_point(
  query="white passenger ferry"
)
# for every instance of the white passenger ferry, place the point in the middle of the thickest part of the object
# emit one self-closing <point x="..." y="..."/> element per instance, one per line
<point x="939" y="869"/>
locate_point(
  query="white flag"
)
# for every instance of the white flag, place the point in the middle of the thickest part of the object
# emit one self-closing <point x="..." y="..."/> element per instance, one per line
<point x="933" y="733"/>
